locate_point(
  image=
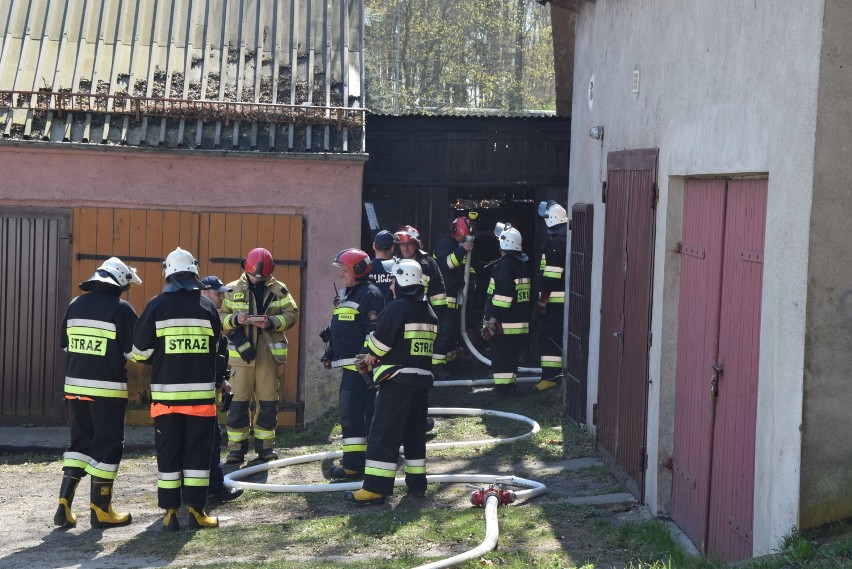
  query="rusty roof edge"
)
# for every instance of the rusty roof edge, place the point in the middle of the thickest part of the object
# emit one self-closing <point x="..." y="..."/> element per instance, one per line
<point x="71" y="147"/>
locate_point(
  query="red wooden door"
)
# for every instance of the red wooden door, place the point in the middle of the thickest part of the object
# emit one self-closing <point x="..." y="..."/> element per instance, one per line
<point x="732" y="477"/>
<point x="698" y="344"/>
<point x="626" y="313"/>
<point x="716" y="378"/>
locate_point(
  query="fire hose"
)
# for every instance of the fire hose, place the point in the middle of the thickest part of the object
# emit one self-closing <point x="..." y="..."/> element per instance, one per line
<point x="489" y="497"/>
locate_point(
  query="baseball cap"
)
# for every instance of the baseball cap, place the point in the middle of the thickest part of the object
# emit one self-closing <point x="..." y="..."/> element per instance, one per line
<point x="384" y="239"/>
<point x="215" y="283"/>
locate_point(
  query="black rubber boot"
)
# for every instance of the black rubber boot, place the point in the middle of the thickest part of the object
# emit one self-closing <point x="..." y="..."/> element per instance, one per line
<point x="103" y="516"/>
<point x="64" y="517"/>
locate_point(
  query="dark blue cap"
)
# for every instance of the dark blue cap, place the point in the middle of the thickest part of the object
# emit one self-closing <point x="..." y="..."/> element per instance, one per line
<point x="384" y="239"/>
<point x="215" y="283"/>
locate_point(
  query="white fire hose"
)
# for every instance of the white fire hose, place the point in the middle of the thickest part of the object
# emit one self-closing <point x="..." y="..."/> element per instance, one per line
<point x="492" y="496"/>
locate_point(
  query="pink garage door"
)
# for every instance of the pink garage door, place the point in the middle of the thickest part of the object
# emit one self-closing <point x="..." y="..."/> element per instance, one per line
<point x="716" y="378"/>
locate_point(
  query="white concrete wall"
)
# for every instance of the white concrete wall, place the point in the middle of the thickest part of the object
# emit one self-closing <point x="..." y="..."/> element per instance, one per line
<point x="726" y="88"/>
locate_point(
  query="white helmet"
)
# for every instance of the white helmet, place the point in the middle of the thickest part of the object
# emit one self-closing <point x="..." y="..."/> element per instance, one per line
<point x="510" y="238"/>
<point x="553" y="213"/>
<point x="117" y="273"/>
<point x="407" y="272"/>
<point x="122" y="273"/>
<point x="180" y="261"/>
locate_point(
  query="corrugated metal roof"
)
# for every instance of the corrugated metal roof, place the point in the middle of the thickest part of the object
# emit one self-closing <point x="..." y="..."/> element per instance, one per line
<point x="277" y="75"/>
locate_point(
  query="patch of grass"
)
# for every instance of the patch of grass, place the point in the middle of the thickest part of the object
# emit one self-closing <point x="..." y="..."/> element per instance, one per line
<point x="652" y="545"/>
<point x="318" y="432"/>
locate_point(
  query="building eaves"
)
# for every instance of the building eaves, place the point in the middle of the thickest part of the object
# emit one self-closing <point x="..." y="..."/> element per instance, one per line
<point x="269" y="75"/>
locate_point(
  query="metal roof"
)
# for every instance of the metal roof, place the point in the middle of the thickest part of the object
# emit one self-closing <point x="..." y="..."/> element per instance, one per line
<point x="276" y="75"/>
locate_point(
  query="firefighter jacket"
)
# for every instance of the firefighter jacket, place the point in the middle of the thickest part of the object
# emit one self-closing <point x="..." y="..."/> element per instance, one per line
<point x="355" y="316"/>
<point x="381" y="277"/>
<point x="178" y="334"/>
<point x="403" y="341"/>
<point x="277" y="304"/>
<point x="552" y="269"/>
<point x="509" y="293"/>
<point x="450" y="255"/>
<point x="98" y="336"/>
<point x="433" y="282"/>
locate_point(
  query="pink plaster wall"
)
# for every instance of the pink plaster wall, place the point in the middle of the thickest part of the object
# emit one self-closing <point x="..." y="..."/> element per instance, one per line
<point x="324" y="189"/>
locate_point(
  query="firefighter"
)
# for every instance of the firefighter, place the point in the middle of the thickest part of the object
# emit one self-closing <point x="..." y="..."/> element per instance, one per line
<point x="450" y="252"/>
<point x="178" y="335"/>
<point x="410" y="247"/>
<point x="356" y="311"/>
<point x="215" y="290"/>
<point x="98" y="335"/>
<point x="255" y="316"/>
<point x="399" y="353"/>
<point x="506" y="318"/>
<point x="380" y="274"/>
<point x="551" y="298"/>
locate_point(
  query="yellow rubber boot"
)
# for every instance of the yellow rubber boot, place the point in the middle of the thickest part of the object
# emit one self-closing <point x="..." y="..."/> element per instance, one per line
<point x="103" y="516"/>
<point x="64" y="517"/>
<point x="365" y="497"/>
<point x="545" y="384"/>
<point x="170" y="521"/>
<point x="199" y="519"/>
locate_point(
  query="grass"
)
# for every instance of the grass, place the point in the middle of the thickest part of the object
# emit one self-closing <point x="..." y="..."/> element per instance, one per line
<point x="318" y="530"/>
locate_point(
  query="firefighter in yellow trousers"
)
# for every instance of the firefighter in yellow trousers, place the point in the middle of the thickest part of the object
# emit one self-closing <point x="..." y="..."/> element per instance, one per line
<point x="255" y="316"/>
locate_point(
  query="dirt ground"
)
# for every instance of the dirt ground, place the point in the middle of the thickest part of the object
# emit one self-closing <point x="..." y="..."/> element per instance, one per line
<point x="29" y="486"/>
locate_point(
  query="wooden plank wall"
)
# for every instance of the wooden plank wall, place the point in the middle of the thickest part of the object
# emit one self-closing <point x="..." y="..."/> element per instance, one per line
<point x="143" y="238"/>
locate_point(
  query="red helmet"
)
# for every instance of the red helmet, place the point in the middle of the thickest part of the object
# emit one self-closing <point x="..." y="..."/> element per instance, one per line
<point x="460" y="226"/>
<point x="408" y="234"/>
<point x="258" y="263"/>
<point x="355" y="259"/>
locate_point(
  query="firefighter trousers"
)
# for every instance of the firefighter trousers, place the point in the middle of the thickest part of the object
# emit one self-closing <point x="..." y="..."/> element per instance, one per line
<point x="550" y="343"/>
<point x="448" y="335"/>
<point x="356" y="405"/>
<point x="505" y="351"/>
<point x="97" y="437"/>
<point x="260" y="381"/>
<point x="401" y="412"/>
<point x="183" y="459"/>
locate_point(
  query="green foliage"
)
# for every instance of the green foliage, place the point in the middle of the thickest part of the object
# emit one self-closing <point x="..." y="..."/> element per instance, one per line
<point x="440" y="55"/>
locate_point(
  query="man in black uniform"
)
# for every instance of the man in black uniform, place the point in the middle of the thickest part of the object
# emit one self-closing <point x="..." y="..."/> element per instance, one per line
<point x="450" y="253"/>
<point x="355" y="314"/>
<point x="400" y="357"/>
<point x="380" y="275"/>
<point x="506" y="318"/>
<point x="551" y="299"/>
<point x="410" y="247"/>
<point x="178" y="334"/>
<point x="98" y="336"/>
<point x="215" y="290"/>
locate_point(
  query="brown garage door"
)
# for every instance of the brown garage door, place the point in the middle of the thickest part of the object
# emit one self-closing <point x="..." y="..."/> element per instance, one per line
<point x="34" y="262"/>
<point x="218" y="240"/>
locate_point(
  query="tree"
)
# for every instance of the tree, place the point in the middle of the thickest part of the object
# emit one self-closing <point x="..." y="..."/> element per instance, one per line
<point x="443" y="55"/>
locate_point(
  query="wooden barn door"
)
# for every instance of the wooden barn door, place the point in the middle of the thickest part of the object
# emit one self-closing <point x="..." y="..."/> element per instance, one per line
<point x="143" y="238"/>
<point x="34" y="266"/>
<point x="630" y="196"/>
<point x="717" y="369"/>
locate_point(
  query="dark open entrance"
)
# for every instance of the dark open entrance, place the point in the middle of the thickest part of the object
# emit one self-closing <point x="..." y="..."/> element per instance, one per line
<point x="425" y="171"/>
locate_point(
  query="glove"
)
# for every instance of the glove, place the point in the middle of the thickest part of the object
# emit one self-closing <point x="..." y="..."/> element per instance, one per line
<point x="491" y="328"/>
<point x="541" y="307"/>
<point x="243" y="345"/>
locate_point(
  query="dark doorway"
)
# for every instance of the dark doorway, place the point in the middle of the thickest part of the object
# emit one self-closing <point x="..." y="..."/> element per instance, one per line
<point x="427" y="170"/>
